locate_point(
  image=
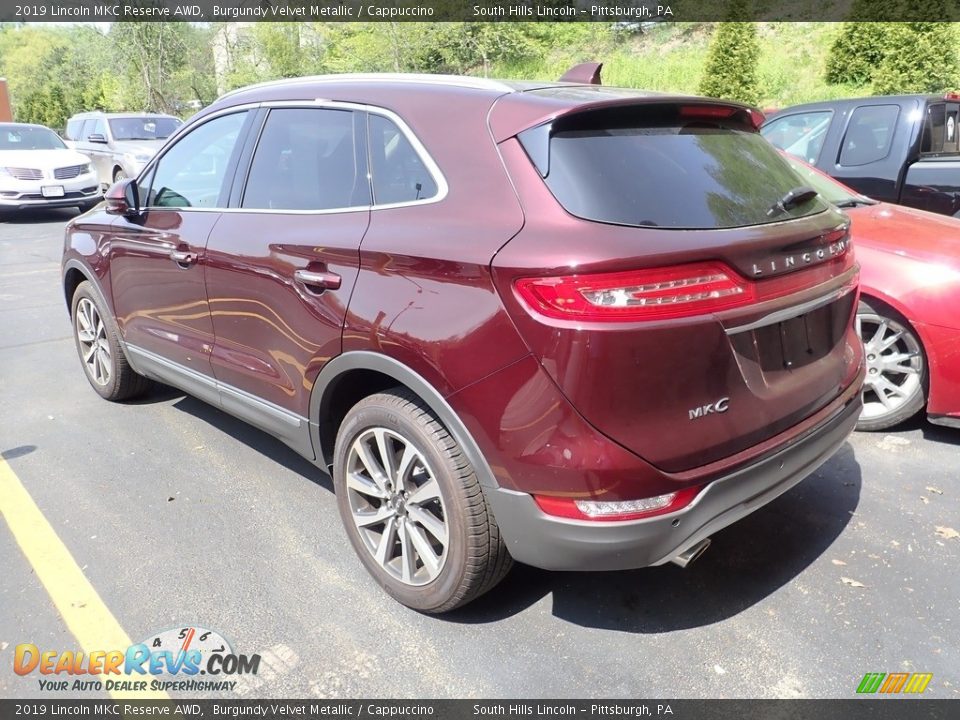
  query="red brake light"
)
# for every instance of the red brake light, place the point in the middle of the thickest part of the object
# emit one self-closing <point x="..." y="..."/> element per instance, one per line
<point x="678" y="291"/>
<point x="613" y="511"/>
<point x="707" y="111"/>
<point x="952" y="95"/>
<point x="652" y="294"/>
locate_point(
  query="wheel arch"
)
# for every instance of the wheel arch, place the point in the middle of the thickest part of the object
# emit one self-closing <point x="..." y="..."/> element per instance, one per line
<point x="74" y="273"/>
<point x="350" y="377"/>
<point x="882" y="302"/>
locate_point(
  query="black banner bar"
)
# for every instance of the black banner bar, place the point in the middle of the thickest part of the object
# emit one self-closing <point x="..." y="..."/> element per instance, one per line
<point x="873" y="708"/>
<point x="642" y="13"/>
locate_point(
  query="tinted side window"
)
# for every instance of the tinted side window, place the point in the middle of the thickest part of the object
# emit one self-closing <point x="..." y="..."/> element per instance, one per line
<point x="801" y="135"/>
<point x="308" y="159"/>
<point x="869" y="134"/>
<point x="399" y="174"/>
<point x="192" y="172"/>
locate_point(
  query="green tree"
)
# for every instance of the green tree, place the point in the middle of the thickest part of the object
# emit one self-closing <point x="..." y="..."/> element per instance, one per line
<point x="857" y="52"/>
<point x="731" y="67"/>
<point x="921" y="57"/>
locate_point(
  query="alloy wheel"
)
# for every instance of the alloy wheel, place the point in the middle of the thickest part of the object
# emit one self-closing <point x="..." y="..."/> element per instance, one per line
<point x="94" y="346"/>
<point x="894" y="365"/>
<point x="397" y="507"/>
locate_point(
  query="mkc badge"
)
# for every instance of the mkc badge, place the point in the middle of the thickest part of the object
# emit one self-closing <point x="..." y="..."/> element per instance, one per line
<point x="720" y="406"/>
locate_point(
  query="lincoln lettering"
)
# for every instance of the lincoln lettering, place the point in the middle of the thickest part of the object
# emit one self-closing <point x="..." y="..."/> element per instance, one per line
<point x="811" y="257"/>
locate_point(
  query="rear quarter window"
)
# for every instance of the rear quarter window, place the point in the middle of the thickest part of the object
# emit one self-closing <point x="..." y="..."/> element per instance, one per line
<point x="680" y="175"/>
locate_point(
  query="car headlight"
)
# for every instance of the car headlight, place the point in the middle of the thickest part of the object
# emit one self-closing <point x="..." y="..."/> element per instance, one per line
<point x="86" y="169"/>
<point x="4" y="172"/>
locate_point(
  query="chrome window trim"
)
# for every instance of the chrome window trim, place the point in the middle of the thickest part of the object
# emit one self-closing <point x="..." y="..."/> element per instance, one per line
<point x="438" y="177"/>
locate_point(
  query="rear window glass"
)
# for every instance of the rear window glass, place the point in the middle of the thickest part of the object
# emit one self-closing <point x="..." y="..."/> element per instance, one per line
<point x="681" y="175"/>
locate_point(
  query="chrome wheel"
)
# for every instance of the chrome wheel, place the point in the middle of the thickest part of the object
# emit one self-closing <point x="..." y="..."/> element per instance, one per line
<point x="92" y="339"/>
<point x="396" y="505"/>
<point x="894" y="366"/>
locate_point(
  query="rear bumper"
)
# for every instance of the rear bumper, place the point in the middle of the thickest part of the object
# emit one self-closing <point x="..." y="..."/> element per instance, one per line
<point x="556" y="543"/>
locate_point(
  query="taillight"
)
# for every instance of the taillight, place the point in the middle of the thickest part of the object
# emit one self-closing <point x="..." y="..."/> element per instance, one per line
<point x="651" y="294"/>
<point x="678" y="291"/>
<point x="611" y="511"/>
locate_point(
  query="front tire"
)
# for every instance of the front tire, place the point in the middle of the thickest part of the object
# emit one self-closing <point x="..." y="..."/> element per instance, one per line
<point x="895" y="386"/>
<point x="412" y="506"/>
<point x="118" y="175"/>
<point x="98" y="346"/>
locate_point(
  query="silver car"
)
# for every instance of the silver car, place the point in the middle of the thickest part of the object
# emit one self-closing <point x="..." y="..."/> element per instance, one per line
<point x="37" y="170"/>
<point x="119" y="144"/>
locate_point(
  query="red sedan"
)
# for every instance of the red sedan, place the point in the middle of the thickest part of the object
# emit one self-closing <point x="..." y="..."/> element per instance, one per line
<point x="909" y="313"/>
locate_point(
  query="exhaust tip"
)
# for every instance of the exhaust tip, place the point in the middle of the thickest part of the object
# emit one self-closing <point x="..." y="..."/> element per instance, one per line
<point x="691" y="553"/>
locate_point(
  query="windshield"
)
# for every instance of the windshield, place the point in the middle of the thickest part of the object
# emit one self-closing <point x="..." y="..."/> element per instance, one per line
<point x="661" y="169"/>
<point x="829" y="190"/>
<point x="143" y="128"/>
<point x="26" y="137"/>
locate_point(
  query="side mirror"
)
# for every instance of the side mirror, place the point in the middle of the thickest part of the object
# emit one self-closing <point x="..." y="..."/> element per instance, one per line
<point x="123" y="198"/>
<point x="97" y="138"/>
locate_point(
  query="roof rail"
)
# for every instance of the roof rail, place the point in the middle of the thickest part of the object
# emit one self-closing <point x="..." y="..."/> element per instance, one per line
<point x="464" y="81"/>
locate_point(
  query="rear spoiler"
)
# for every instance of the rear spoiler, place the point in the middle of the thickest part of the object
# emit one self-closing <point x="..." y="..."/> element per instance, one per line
<point x="587" y="73"/>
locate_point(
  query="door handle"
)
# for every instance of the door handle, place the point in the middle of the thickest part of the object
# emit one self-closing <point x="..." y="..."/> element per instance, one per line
<point x="323" y="280"/>
<point x="183" y="257"/>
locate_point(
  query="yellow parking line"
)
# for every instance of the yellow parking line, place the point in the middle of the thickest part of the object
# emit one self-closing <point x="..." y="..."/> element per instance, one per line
<point x="79" y="604"/>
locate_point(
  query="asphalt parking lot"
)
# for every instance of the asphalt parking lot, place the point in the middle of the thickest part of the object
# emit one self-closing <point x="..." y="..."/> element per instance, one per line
<point x="179" y="515"/>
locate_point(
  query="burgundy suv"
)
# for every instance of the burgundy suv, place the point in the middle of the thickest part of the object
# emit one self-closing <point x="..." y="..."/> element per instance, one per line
<point x="579" y="327"/>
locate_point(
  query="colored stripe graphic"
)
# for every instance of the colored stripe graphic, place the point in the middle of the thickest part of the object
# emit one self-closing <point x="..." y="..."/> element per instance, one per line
<point x="918" y="682"/>
<point x="894" y="682"/>
<point x="870" y="682"/>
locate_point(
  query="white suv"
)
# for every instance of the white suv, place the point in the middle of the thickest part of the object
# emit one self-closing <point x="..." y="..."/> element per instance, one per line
<point x="119" y="144"/>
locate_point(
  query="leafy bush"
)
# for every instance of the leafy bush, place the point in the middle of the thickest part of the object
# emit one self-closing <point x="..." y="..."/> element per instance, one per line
<point x="731" y="69"/>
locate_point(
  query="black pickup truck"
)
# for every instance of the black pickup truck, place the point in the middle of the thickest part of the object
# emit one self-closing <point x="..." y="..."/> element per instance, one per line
<point x="899" y="149"/>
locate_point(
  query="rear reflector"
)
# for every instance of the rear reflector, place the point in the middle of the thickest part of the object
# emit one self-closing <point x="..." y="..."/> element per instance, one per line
<point x="602" y="510"/>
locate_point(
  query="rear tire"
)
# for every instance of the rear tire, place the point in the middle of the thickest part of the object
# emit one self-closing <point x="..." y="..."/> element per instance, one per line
<point x="418" y="520"/>
<point x="98" y="346"/>
<point x="895" y="388"/>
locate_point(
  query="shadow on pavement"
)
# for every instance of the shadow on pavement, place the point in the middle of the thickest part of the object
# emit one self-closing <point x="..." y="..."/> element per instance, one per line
<point x="746" y="562"/>
<point x="18" y="451"/>
<point x="35" y="217"/>
<point x="241" y="431"/>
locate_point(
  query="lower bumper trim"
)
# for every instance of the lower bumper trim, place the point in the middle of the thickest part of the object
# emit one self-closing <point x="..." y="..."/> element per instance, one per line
<point x="553" y="543"/>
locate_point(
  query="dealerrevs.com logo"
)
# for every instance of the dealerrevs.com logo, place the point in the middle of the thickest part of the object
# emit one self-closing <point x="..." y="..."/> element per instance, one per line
<point x="169" y="660"/>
